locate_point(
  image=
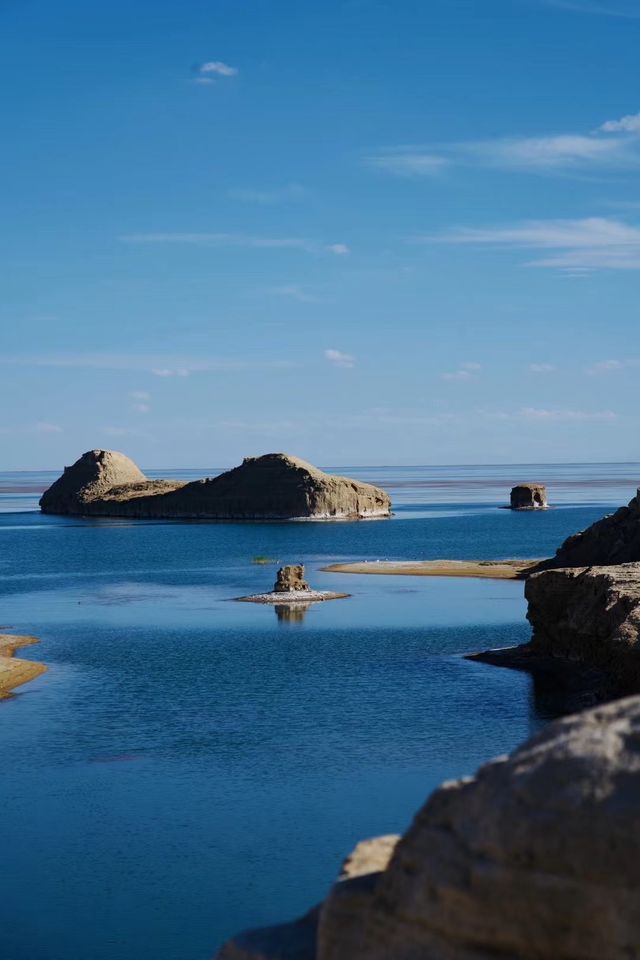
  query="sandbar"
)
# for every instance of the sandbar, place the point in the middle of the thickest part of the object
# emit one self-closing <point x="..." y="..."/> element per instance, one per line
<point x="14" y="672"/>
<point x="486" y="569"/>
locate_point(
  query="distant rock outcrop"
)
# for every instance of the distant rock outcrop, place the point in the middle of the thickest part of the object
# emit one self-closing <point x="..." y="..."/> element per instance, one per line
<point x="272" y="487"/>
<point x="537" y="857"/>
<point x="529" y="496"/>
<point x="614" y="539"/>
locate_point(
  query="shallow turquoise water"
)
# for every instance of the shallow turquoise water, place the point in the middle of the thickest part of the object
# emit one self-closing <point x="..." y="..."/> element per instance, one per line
<point x="190" y="766"/>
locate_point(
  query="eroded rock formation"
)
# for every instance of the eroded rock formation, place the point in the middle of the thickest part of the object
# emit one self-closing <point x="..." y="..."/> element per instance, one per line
<point x="529" y="496"/>
<point x="291" y="579"/>
<point x="273" y="487"/>
<point x="96" y="475"/>
<point x="589" y="615"/>
<point x="537" y="857"/>
<point x="614" y="539"/>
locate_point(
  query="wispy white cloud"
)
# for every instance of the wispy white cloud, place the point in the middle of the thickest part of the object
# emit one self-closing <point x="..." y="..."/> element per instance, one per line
<point x="612" y="366"/>
<point x="612" y="145"/>
<point x="554" y="153"/>
<point x="171" y="371"/>
<point x="159" y="364"/>
<point x="140" y="400"/>
<point x="542" y="415"/>
<point x="593" y="243"/>
<point x="408" y="162"/>
<point x="628" y="124"/>
<point x="466" y="371"/>
<point x="627" y="9"/>
<point x="211" y="70"/>
<point x="339" y="359"/>
<point x="237" y="240"/>
<point x="44" y="427"/>
<point x="293" y="291"/>
<point x="290" y="192"/>
<point x="542" y="367"/>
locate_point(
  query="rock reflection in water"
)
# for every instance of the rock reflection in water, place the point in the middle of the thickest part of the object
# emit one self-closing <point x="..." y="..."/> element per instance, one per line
<point x="291" y="612"/>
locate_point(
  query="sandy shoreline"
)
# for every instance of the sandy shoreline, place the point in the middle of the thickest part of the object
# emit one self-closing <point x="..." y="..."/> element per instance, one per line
<point x="487" y="569"/>
<point x="14" y="672"/>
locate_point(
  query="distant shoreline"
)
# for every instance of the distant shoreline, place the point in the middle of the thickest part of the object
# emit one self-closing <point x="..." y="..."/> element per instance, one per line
<point x="15" y="672"/>
<point x="484" y="569"/>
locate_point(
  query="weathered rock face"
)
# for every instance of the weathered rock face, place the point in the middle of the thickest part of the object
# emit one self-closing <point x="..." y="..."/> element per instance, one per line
<point x="590" y="615"/>
<point x="537" y="857"/>
<point x="291" y="579"/>
<point x="300" y="940"/>
<point x="614" y="539"/>
<point x="273" y="487"/>
<point x="91" y="477"/>
<point x="529" y="496"/>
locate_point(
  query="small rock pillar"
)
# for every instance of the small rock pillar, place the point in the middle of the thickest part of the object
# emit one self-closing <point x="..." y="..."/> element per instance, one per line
<point x="291" y="580"/>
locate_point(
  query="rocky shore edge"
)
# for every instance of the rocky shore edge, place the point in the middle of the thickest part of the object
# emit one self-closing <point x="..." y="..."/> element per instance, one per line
<point x="13" y="671"/>
<point x="536" y="857"/>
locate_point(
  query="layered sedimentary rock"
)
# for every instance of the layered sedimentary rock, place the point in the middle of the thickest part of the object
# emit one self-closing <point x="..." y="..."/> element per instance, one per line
<point x="614" y="539"/>
<point x="291" y="579"/>
<point x="589" y="615"/>
<point x="537" y="857"/>
<point x="529" y="496"/>
<point x="273" y="487"/>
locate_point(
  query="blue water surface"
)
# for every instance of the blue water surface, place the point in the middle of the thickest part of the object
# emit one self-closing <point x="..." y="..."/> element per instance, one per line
<point x="189" y="765"/>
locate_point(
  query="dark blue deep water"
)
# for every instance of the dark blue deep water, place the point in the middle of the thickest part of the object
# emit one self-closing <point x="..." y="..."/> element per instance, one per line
<point x="189" y="765"/>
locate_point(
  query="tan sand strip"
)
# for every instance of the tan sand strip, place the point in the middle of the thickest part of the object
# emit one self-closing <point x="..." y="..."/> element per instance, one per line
<point x="487" y="569"/>
<point x="14" y="672"/>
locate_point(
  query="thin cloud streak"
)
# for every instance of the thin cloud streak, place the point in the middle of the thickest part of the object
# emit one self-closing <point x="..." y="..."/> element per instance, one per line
<point x="240" y="240"/>
<point x="615" y="144"/>
<point x="263" y="198"/>
<point x="626" y="9"/>
<point x="612" y="366"/>
<point x="159" y="364"/>
<point x="593" y="243"/>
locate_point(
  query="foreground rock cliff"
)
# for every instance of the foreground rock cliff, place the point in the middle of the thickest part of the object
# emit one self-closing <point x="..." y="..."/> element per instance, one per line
<point x="273" y="487"/>
<point x="537" y="857"/>
<point x="589" y="615"/>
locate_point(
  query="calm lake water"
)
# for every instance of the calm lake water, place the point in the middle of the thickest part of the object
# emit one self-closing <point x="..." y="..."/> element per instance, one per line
<point x="190" y="766"/>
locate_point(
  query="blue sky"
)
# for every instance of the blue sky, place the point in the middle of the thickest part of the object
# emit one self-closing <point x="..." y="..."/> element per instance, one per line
<point x="361" y="231"/>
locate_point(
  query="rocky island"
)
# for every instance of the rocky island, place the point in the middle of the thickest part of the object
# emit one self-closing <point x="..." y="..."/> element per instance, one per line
<point x="276" y="486"/>
<point x="291" y="589"/>
<point x="529" y="496"/>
